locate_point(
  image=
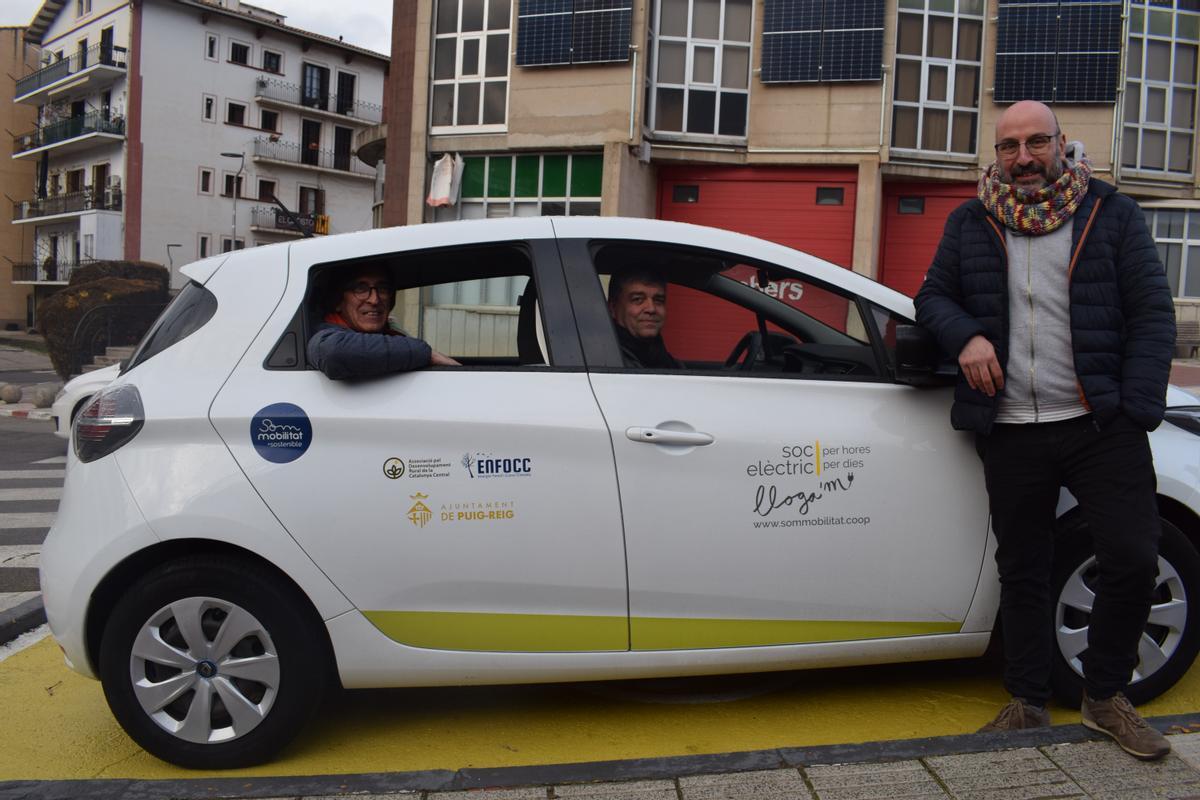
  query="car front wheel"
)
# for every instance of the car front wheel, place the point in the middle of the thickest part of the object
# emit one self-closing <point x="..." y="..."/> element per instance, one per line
<point x="209" y="663"/>
<point x="1171" y="638"/>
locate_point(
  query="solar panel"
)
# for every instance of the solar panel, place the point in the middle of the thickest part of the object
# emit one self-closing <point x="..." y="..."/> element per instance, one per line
<point x="1061" y="51"/>
<point x="557" y="32"/>
<point x="822" y="40"/>
<point x="602" y="31"/>
<point x="544" y="32"/>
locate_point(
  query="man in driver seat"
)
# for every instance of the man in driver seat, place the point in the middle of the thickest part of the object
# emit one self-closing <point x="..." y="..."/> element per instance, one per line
<point x="637" y="302"/>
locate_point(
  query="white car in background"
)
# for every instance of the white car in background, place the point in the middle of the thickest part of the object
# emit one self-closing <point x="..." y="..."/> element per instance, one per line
<point x="76" y="393"/>
<point x="237" y="531"/>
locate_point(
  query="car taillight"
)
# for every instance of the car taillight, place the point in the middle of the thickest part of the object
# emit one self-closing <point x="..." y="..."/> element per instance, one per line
<point x="113" y="417"/>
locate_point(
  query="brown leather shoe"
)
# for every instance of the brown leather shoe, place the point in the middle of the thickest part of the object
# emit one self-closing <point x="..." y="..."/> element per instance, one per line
<point x="1116" y="717"/>
<point x="1018" y="715"/>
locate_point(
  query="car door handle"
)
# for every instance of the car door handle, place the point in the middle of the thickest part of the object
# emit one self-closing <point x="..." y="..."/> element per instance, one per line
<point x="663" y="436"/>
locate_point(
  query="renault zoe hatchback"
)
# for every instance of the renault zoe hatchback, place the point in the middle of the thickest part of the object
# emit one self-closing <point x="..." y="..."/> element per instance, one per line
<point x="238" y="531"/>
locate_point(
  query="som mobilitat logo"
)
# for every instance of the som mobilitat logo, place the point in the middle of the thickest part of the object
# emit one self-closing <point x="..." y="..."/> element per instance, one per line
<point x="486" y="465"/>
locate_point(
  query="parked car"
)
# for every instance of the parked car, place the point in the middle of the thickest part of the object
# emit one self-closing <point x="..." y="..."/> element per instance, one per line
<point x="237" y="531"/>
<point x="76" y="393"/>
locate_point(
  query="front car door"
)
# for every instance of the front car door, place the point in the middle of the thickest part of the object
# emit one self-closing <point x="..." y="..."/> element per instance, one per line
<point x="458" y="508"/>
<point x="801" y="497"/>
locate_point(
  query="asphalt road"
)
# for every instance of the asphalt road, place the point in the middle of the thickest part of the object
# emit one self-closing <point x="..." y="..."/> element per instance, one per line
<point x="24" y="496"/>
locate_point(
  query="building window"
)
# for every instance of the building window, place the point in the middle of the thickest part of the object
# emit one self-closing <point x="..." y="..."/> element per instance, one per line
<point x="269" y="120"/>
<point x="239" y="53"/>
<point x="470" y="64"/>
<point x="310" y="142"/>
<point x="206" y="180"/>
<point x="82" y="7"/>
<point x="831" y="196"/>
<point x="701" y="76"/>
<point x="203" y="245"/>
<point x="1159" y="131"/>
<point x="528" y="186"/>
<point x="266" y="190"/>
<point x="233" y="182"/>
<point x="312" y="200"/>
<point x="346" y="83"/>
<point x="912" y="205"/>
<point x="210" y="108"/>
<point x="228" y="244"/>
<point x="235" y="114"/>
<point x="272" y="61"/>
<point x="1177" y="233"/>
<point x="343" y="149"/>
<point x="937" y="84"/>
<point x="314" y="90"/>
<point x="210" y="46"/>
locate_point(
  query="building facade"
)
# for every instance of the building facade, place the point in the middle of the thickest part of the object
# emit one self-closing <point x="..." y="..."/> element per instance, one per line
<point x="165" y="128"/>
<point x="846" y="129"/>
<point x="16" y="178"/>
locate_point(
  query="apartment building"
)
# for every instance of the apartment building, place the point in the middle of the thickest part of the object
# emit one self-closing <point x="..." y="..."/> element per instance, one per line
<point x="846" y="128"/>
<point x="165" y="128"/>
<point x="16" y="242"/>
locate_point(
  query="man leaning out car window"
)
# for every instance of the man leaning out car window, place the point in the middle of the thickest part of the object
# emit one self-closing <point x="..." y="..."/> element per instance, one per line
<point x="356" y="338"/>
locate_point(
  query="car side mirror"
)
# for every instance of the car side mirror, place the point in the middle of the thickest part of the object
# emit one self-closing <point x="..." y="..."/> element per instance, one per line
<point x="919" y="360"/>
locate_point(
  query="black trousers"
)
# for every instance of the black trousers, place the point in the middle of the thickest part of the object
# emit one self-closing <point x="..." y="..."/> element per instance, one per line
<point x="1111" y="474"/>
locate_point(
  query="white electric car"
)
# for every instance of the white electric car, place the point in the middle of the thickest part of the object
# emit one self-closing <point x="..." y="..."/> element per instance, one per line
<point x="237" y="530"/>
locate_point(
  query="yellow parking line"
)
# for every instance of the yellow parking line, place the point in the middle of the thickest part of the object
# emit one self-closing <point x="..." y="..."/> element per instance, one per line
<point x="454" y="728"/>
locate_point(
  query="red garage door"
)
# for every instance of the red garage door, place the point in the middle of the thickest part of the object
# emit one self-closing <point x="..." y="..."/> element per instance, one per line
<point x="808" y="209"/>
<point x="913" y="218"/>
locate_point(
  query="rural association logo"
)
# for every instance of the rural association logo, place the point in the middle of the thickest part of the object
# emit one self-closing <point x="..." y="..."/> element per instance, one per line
<point x="394" y="468"/>
<point x="486" y="465"/>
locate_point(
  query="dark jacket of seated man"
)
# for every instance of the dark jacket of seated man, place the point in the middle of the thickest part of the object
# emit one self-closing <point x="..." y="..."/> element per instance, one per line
<point x="637" y="303"/>
<point x="356" y="339"/>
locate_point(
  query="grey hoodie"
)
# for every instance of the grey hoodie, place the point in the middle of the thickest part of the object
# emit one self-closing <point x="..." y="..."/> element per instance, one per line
<point x="1040" y="384"/>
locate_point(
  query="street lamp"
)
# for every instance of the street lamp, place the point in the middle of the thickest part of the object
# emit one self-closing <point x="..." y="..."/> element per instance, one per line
<point x="236" y="191"/>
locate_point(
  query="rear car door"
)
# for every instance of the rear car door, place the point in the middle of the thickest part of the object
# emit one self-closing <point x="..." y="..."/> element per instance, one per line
<point x="462" y="508"/>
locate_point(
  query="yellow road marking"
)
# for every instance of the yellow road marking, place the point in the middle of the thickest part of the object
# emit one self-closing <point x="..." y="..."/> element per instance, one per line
<point x="497" y="726"/>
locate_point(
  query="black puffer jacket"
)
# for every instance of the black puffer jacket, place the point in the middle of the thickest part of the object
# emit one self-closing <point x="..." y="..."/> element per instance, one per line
<point x="1122" y="315"/>
<point x="345" y="354"/>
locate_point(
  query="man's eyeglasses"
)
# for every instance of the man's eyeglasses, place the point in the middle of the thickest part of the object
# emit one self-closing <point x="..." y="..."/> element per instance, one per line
<point x="1036" y="145"/>
<point x="362" y="290"/>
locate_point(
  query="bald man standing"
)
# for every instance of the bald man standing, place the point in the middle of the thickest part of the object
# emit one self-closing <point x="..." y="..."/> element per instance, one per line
<point x="1049" y="291"/>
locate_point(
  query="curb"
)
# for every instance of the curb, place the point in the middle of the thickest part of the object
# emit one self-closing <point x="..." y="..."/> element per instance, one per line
<point x="380" y="783"/>
<point x="21" y="618"/>
<point x="24" y="411"/>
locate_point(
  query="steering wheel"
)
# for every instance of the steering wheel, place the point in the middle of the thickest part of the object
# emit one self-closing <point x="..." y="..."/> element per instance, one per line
<point x="751" y="347"/>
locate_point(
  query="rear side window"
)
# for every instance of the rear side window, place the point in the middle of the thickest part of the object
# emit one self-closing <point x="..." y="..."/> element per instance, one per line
<point x="186" y="314"/>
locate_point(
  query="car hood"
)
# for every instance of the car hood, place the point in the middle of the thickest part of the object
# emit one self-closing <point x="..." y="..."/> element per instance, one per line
<point x="1180" y="397"/>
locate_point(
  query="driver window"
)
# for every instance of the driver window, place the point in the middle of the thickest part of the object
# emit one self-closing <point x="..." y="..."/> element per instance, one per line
<point x="715" y="313"/>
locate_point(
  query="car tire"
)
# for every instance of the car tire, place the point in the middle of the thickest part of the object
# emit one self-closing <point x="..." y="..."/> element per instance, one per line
<point x="223" y="702"/>
<point x="1172" y="636"/>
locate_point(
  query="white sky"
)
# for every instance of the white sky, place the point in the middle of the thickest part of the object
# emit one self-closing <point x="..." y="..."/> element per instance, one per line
<point x="366" y="23"/>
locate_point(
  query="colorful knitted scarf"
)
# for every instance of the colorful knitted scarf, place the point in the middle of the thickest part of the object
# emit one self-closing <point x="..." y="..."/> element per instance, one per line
<point x="1038" y="212"/>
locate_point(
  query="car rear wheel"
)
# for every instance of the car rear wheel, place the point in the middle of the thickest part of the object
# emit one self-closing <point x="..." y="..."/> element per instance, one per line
<point x="1171" y="638"/>
<point x="209" y="663"/>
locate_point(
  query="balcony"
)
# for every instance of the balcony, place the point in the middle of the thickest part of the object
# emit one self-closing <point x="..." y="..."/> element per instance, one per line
<point x="69" y="135"/>
<point x="292" y="154"/>
<point x="48" y="272"/>
<point x="268" y="219"/>
<point x="269" y="91"/>
<point x="99" y="65"/>
<point x="64" y="205"/>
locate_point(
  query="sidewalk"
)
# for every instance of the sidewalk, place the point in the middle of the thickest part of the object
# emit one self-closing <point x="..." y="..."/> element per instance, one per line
<point x="15" y="358"/>
<point x="1062" y="762"/>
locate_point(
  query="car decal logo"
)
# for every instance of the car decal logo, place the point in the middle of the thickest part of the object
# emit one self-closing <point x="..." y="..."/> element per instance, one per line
<point x="394" y="468"/>
<point x="281" y="432"/>
<point x="487" y="465"/>
<point x="419" y="514"/>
